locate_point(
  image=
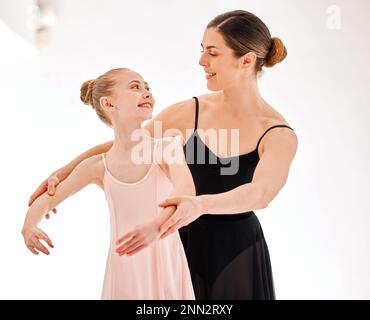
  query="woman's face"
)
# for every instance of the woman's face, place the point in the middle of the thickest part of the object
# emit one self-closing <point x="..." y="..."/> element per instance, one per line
<point x="222" y="68"/>
<point x="132" y="97"/>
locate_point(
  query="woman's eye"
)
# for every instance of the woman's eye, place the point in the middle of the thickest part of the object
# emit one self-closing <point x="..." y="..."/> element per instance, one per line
<point x="211" y="54"/>
<point x="136" y="86"/>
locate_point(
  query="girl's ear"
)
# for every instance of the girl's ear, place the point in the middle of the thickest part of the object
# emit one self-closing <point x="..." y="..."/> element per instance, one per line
<point x="104" y="103"/>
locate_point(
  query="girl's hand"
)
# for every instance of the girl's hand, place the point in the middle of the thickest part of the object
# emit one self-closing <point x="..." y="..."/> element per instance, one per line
<point x="188" y="209"/>
<point x="138" y="239"/>
<point x="32" y="237"/>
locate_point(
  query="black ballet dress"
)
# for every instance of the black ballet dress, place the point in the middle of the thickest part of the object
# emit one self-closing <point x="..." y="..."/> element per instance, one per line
<point x="227" y="253"/>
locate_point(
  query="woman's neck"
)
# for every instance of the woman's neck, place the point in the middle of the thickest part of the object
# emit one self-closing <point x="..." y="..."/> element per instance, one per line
<point x="242" y="98"/>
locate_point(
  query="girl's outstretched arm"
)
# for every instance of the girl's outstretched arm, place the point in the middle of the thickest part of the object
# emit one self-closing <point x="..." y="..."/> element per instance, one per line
<point x="87" y="172"/>
<point x="59" y="175"/>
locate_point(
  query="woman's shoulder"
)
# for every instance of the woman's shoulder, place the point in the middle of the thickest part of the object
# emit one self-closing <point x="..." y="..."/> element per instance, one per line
<point x="271" y="117"/>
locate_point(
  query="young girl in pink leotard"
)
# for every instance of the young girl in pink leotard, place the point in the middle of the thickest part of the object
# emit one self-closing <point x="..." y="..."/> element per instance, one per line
<point x="122" y="100"/>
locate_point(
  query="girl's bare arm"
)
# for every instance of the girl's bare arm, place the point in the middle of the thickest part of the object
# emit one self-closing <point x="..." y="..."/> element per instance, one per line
<point x="87" y="172"/>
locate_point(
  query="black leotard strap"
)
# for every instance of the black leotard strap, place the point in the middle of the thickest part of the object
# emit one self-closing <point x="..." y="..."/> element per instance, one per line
<point x="279" y="125"/>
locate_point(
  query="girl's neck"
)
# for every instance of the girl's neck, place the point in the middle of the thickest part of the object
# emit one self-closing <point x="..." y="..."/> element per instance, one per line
<point x="125" y="139"/>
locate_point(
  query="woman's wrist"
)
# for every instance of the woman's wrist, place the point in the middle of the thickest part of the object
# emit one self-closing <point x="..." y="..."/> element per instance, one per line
<point x="203" y="202"/>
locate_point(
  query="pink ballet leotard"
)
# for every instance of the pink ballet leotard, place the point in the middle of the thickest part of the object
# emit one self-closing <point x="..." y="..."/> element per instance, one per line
<point x="159" y="271"/>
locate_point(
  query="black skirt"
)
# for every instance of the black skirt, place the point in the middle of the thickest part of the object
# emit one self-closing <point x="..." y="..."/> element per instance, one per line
<point x="228" y="258"/>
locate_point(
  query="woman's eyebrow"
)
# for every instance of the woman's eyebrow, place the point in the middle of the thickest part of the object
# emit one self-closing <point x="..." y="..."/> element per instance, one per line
<point x="208" y="47"/>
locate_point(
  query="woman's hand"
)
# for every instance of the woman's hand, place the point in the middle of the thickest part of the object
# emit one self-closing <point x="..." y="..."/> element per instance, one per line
<point x="32" y="237"/>
<point x="138" y="239"/>
<point x="49" y="186"/>
<point x="188" y="209"/>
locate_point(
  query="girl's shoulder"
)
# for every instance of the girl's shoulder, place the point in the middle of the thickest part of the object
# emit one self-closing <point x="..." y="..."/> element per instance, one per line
<point x="168" y="148"/>
<point x="97" y="167"/>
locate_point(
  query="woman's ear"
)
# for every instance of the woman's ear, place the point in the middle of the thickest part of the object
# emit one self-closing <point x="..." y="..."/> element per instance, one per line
<point x="248" y="59"/>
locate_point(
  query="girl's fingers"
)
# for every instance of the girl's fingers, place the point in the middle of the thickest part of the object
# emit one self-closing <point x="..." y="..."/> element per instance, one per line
<point x="39" y="246"/>
<point x="44" y="236"/>
<point x="32" y="249"/>
<point x="126" y="236"/>
<point x="54" y="210"/>
<point x="137" y="249"/>
<point x="129" y="245"/>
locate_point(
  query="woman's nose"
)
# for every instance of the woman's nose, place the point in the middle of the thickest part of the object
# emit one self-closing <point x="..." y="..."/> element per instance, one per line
<point x="202" y="60"/>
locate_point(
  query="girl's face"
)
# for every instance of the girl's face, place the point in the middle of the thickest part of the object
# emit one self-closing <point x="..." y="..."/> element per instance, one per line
<point x="132" y="98"/>
<point x="222" y="68"/>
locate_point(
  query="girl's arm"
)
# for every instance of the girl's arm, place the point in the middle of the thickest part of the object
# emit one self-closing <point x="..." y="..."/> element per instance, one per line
<point x="88" y="171"/>
<point x="58" y="176"/>
<point x="174" y="160"/>
<point x="180" y="175"/>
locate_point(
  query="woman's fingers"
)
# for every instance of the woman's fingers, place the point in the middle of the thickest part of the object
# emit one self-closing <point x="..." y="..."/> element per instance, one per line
<point x="172" y="229"/>
<point x="169" y="202"/>
<point x="39" y="191"/>
<point x="47" y="215"/>
<point x="170" y="222"/>
<point x="126" y="236"/>
<point x="52" y="183"/>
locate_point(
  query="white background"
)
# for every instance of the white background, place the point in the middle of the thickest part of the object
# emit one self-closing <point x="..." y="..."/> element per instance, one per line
<point x="316" y="228"/>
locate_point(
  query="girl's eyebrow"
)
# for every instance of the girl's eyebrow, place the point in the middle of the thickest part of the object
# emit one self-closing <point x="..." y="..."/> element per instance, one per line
<point x="137" y="81"/>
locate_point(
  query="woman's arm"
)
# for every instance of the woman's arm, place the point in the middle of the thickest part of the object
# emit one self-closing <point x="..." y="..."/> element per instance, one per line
<point x="270" y="176"/>
<point x="88" y="171"/>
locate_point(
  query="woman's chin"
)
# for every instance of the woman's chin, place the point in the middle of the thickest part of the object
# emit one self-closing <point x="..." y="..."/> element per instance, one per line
<point x="212" y="87"/>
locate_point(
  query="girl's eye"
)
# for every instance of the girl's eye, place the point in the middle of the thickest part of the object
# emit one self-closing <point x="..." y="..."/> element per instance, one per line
<point x="136" y="86"/>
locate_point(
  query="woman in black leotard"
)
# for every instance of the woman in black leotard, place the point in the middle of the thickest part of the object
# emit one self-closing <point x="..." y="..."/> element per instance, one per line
<point x="223" y="240"/>
<point x="227" y="254"/>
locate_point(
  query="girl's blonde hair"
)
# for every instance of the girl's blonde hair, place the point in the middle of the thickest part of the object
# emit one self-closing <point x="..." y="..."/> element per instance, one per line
<point x="92" y="90"/>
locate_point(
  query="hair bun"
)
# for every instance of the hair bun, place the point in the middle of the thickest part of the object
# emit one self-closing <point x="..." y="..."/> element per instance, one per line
<point x="277" y="52"/>
<point x="86" y="92"/>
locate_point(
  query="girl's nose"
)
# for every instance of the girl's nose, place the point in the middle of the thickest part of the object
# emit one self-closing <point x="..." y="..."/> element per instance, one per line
<point x="146" y="95"/>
